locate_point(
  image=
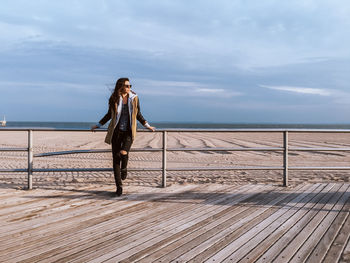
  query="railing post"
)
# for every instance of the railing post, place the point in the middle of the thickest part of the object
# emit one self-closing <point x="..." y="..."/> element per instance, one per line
<point x="285" y="158"/>
<point x="30" y="159"/>
<point x="164" y="159"/>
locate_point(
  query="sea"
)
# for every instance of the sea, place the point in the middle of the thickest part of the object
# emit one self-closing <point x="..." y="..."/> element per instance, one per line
<point x="179" y="125"/>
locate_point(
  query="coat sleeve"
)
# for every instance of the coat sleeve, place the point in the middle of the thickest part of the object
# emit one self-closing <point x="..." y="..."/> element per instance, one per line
<point x="106" y="118"/>
<point x="139" y="116"/>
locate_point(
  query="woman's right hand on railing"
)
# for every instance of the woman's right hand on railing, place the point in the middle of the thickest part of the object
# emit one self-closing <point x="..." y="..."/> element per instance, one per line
<point x="93" y="128"/>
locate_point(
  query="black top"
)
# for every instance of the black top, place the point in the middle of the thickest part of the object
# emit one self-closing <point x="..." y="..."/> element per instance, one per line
<point x="139" y="116"/>
<point x="124" y="121"/>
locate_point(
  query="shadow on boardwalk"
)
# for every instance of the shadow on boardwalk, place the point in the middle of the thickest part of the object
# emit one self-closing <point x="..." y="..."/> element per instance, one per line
<point x="259" y="198"/>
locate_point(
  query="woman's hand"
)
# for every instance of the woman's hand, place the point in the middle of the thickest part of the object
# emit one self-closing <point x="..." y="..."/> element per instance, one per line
<point x="151" y="128"/>
<point x="93" y="128"/>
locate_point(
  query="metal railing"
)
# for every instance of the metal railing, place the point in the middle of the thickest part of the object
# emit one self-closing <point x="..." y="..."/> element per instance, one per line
<point x="164" y="149"/>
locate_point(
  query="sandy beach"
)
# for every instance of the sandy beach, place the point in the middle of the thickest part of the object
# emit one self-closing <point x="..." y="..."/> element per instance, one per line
<point x="54" y="141"/>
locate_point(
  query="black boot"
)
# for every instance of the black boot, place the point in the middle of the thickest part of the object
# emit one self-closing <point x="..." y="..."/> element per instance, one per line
<point x="124" y="173"/>
<point x="116" y="169"/>
<point x="124" y="164"/>
<point x="119" y="191"/>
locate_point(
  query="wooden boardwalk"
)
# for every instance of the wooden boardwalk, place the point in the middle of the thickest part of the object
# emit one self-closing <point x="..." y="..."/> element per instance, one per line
<point x="182" y="223"/>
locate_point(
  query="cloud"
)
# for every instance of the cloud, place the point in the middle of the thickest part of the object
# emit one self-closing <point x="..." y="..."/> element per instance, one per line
<point x="206" y="90"/>
<point x="52" y="86"/>
<point x="223" y="35"/>
<point x="336" y="96"/>
<point x="222" y="93"/>
<point x="182" y="89"/>
<point x="13" y="33"/>
<point x="303" y="90"/>
<point x="169" y="83"/>
<point x="188" y="49"/>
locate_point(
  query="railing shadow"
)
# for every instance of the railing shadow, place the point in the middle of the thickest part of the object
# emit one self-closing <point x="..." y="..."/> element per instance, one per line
<point x="274" y="198"/>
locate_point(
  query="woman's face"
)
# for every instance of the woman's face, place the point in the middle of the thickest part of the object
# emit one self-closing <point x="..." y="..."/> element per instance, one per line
<point x="126" y="87"/>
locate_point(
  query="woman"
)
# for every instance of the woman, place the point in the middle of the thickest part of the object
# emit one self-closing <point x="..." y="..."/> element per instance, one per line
<point x="123" y="111"/>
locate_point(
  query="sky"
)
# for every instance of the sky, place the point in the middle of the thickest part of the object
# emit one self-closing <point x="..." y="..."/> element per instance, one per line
<point x="223" y="61"/>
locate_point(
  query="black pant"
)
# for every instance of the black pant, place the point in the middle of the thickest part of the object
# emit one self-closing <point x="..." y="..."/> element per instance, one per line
<point x="121" y="140"/>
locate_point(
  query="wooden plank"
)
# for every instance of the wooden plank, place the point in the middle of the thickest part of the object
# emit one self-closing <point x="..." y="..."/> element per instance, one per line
<point x="281" y="237"/>
<point x="161" y="228"/>
<point x="74" y="205"/>
<point x="36" y="208"/>
<point x="264" y="240"/>
<point x="224" y="238"/>
<point x="22" y="202"/>
<point x="79" y="211"/>
<point x="76" y="217"/>
<point x="323" y="247"/>
<point x="306" y="232"/>
<point x="199" y="223"/>
<point x="127" y="230"/>
<point x="304" y="252"/>
<point x="233" y="231"/>
<point x="248" y="245"/>
<point x="345" y="257"/>
<point x="241" y="246"/>
<point x="196" y="236"/>
<point x="291" y="241"/>
<point x="192" y="225"/>
<point x="62" y="229"/>
<point x="46" y="196"/>
<point x="49" y="215"/>
<point x="97" y="211"/>
<point x="68" y="247"/>
<point x="340" y="248"/>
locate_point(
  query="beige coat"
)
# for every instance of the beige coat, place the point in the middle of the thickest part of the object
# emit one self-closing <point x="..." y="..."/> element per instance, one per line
<point x="134" y="116"/>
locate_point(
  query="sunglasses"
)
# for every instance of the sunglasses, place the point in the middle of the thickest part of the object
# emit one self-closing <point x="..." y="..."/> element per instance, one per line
<point x="127" y="86"/>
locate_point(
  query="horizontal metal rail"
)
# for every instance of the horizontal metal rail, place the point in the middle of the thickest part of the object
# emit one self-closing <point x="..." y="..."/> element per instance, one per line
<point x="323" y="149"/>
<point x="13" y="170"/>
<point x="285" y="149"/>
<point x="326" y="168"/>
<point x="94" y="151"/>
<point x="279" y="130"/>
<point x="263" y="149"/>
<point x="13" y="149"/>
<point x="41" y="170"/>
<point x="230" y="168"/>
<point x="159" y="150"/>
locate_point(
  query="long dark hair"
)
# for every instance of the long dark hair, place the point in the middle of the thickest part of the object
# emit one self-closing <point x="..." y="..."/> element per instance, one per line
<point x="114" y="98"/>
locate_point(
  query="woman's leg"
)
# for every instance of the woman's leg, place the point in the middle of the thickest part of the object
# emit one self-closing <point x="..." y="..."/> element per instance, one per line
<point x="124" y="154"/>
<point x="116" y="146"/>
